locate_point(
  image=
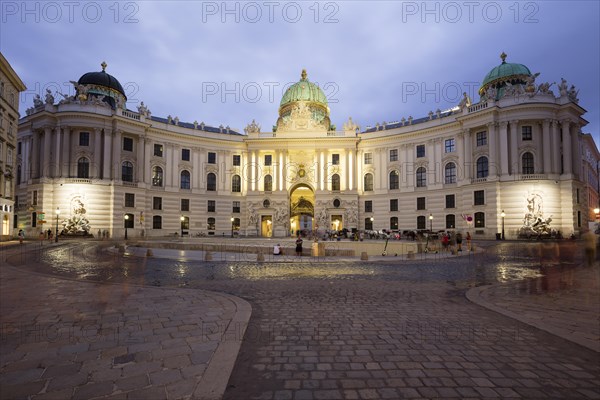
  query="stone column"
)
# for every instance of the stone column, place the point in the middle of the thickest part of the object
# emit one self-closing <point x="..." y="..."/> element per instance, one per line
<point x="566" y="145"/>
<point x="46" y="154"/>
<point x="97" y="172"/>
<point x="66" y="152"/>
<point x="57" y="150"/>
<point x="556" y="145"/>
<point x="460" y="168"/>
<point x="196" y="167"/>
<point x="360" y="161"/>
<point x="140" y="158"/>
<point x="410" y="163"/>
<point x="116" y="154"/>
<point x="107" y="159"/>
<point x="468" y="155"/>
<point x="503" y="148"/>
<point x="546" y="146"/>
<point x="437" y="161"/>
<point x="35" y="155"/>
<point x="514" y="147"/>
<point x="575" y="150"/>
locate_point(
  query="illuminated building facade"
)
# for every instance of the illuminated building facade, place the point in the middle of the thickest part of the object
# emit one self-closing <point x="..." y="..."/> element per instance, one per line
<point x="10" y="87"/>
<point x="517" y="151"/>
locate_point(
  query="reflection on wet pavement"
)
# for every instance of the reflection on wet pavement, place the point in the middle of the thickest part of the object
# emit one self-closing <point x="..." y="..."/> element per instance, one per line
<point x="500" y="262"/>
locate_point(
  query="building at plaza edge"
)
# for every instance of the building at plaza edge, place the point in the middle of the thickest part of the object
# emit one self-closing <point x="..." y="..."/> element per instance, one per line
<point x="513" y="161"/>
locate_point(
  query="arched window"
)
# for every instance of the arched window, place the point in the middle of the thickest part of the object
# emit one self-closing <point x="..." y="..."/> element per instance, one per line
<point x="185" y="179"/>
<point x="421" y="222"/>
<point x="127" y="171"/>
<point x="421" y="177"/>
<point x="157" y="222"/>
<point x="211" y="182"/>
<point x="157" y="176"/>
<point x="268" y="183"/>
<point x="450" y="221"/>
<point x="394" y="223"/>
<point x="479" y="220"/>
<point x="368" y="182"/>
<point x="482" y="167"/>
<point x="236" y="184"/>
<point x="335" y="182"/>
<point x="394" y="180"/>
<point x="450" y="173"/>
<point x="83" y="168"/>
<point x="527" y="162"/>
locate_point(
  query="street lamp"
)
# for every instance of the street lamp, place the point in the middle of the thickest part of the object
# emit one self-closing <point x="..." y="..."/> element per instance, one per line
<point x="182" y="218"/>
<point x="57" y="214"/>
<point x="372" y="219"/>
<point x="431" y="223"/>
<point x="232" y="219"/>
<point x="126" y="223"/>
<point x="503" y="214"/>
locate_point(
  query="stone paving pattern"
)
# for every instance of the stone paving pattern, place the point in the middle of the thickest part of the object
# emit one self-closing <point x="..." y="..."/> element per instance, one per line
<point x="64" y="339"/>
<point x="363" y="336"/>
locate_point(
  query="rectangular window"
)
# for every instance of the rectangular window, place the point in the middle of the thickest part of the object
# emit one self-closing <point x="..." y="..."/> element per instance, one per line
<point x="19" y="148"/>
<point x="212" y="157"/>
<point x="237" y="160"/>
<point x="236" y="207"/>
<point x="420" y="150"/>
<point x="268" y="160"/>
<point x="479" y="198"/>
<point x="185" y="204"/>
<point x="368" y="158"/>
<point x="127" y="144"/>
<point x="481" y="138"/>
<point x="449" y="146"/>
<point x="158" y="150"/>
<point x="157" y="222"/>
<point x="34" y="199"/>
<point x="185" y="154"/>
<point x="421" y="203"/>
<point x="394" y="205"/>
<point x="9" y="158"/>
<point x="577" y="195"/>
<point x="157" y="203"/>
<point x="335" y="159"/>
<point x="212" y="206"/>
<point x="394" y="155"/>
<point x="129" y="200"/>
<point x="450" y="201"/>
<point x="84" y="138"/>
<point x="526" y="133"/>
<point x="368" y="206"/>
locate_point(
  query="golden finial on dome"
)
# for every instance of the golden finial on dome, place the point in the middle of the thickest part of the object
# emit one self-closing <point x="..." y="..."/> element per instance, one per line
<point x="503" y="57"/>
<point x="303" y="75"/>
<point x="104" y="65"/>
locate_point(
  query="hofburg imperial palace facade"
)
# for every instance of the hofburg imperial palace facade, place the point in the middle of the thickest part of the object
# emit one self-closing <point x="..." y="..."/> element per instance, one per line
<point x="516" y="157"/>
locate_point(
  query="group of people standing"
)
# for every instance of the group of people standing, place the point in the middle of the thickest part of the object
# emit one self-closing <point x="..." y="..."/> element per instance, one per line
<point x="454" y="240"/>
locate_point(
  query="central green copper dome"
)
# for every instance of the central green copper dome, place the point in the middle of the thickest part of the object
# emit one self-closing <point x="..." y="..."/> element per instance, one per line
<point x="505" y="72"/>
<point x="303" y="91"/>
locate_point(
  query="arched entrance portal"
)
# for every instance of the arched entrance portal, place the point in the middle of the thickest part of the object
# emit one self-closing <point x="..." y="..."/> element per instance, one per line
<point x="302" y="209"/>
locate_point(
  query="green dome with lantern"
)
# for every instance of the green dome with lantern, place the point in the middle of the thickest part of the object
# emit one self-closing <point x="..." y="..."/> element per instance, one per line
<point x="504" y="73"/>
<point x="303" y="107"/>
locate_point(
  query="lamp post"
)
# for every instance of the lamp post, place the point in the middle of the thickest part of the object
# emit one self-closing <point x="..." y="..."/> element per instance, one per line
<point x="232" y="219"/>
<point x="182" y="218"/>
<point x="431" y="223"/>
<point x="57" y="214"/>
<point x="503" y="214"/>
<point x="372" y="219"/>
<point x="126" y="223"/>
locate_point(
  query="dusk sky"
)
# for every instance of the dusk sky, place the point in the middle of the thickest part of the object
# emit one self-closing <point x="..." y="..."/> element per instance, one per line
<point x="229" y="62"/>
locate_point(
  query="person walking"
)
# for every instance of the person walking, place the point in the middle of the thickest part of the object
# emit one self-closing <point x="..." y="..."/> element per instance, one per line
<point x="21" y="235"/>
<point x="468" y="241"/>
<point x="299" y="246"/>
<point x="459" y="240"/>
<point x="589" y="241"/>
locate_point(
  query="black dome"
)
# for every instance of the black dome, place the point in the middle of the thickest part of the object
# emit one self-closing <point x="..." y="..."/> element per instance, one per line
<point x="102" y="79"/>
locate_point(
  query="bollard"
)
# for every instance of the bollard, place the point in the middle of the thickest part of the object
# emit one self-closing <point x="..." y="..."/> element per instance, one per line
<point x="208" y="256"/>
<point x="410" y="255"/>
<point x="149" y="253"/>
<point x="364" y="256"/>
